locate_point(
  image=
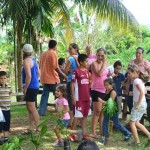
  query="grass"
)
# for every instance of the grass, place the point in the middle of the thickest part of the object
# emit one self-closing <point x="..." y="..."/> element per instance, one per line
<point x="19" y="122"/>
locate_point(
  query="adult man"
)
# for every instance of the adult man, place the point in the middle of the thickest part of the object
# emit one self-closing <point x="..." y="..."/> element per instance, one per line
<point x="49" y="76"/>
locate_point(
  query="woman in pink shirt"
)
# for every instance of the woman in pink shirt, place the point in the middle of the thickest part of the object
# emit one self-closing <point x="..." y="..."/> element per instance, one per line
<point x="144" y="65"/>
<point x="91" y="56"/>
<point x="99" y="72"/>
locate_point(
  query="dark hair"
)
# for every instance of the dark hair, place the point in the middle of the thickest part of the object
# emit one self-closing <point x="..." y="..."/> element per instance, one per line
<point x="26" y="54"/>
<point x="141" y="48"/>
<point x="61" y="61"/>
<point x="63" y="90"/>
<point x="101" y="49"/>
<point x="111" y="82"/>
<point x="75" y="46"/>
<point x="117" y="63"/>
<point x="52" y="44"/>
<point x="88" y="145"/>
<point x="3" y="73"/>
<point x="82" y="57"/>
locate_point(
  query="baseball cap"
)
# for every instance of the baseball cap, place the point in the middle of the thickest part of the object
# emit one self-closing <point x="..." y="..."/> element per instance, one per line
<point x="27" y="48"/>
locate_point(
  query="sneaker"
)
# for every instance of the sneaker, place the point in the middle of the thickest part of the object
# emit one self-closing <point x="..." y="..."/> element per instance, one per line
<point x="1" y="141"/>
<point x="127" y="137"/>
<point x="59" y="144"/>
<point x="73" y="138"/>
<point x="101" y="141"/>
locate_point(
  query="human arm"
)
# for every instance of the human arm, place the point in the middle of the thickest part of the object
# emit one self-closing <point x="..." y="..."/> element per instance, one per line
<point x="96" y="69"/>
<point x="67" y="67"/>
<point x="140" y="96"/>
<point x="73" y="93"/>
<point x="60" y="72"/>
<point x="27" y="64"/>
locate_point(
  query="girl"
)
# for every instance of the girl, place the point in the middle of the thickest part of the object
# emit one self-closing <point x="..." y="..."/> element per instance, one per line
<point x="71" y="65"/>
<point x="111" y="93"/>
<point x="139" y="100"/>
<point x="63" y="109"/>
<point x="64" y="117"/>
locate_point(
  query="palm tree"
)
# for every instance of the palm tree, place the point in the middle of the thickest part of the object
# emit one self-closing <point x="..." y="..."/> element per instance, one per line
<point x="31" y="17"/>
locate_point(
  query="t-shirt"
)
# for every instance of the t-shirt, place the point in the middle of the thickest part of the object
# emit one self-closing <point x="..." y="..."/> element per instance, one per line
<point x="98" y="81"/>
<point x="136" y="92"/>
<point x="60" y="102"/>
<point x="73" y="66"/>
<point x="118" y="83"/>
<point x="81" y="81"/>
<point x="48" y="64"/>
<point x="5" y="98"/>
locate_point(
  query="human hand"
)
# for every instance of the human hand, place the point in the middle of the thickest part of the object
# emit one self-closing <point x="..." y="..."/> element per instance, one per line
<point x="24" y="90"/>
<point x="130" y="93"/>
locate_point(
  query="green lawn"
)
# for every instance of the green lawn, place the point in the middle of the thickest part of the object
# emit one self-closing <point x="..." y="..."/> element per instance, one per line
<point x="19" y="122"/>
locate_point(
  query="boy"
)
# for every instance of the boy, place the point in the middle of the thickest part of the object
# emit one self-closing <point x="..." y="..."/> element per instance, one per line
<point x="80" y="93"/>
<point x="5" y="94"/>
<point x="118" y="78"/>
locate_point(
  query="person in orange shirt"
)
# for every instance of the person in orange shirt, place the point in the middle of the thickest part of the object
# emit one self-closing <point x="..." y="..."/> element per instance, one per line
<point x="49" y="74"/>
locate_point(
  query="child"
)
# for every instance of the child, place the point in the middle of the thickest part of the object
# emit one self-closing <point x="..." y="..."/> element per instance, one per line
<point x="63" y="114"/>
<point x="111" y="93"/>
<point x="118" y="78"/>
<point x="80" y="93"/>
<point x="139" y="106"/>
<point x="5" y="94"/>
<point x="61" y="63"/>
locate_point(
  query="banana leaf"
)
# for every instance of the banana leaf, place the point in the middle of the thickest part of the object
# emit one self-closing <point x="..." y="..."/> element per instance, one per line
<point x="110" y="107"/>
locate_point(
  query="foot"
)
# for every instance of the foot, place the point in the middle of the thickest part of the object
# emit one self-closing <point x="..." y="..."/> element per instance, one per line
<point x="103" y="141"/>
<point x="86" y="137"/>
<point x="133" y="144"/>
<point x="26" y="132"/>
<point x="127" y="137"/>
<point x="5" y="139"/>
<point x="1" y="141"/>
<point x="73" y="138"/>
<point x="59" y="144"/>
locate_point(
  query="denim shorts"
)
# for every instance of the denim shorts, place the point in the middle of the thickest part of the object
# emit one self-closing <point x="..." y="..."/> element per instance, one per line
<point x="136" y="114"/>
<point x="63" y="123"/>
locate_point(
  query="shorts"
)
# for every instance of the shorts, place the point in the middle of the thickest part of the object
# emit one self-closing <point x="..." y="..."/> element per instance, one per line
<point x="95" y="95"/>
<point x="31" y="95"/>
<point x="136" y="114"/>
<point x="63" y="123"/>
<point x="5" y="126"/>
<point x="82" y="109"/>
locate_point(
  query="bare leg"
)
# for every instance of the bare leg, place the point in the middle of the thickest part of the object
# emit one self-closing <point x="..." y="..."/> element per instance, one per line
<point x="74" y="124"/>
<point x="97" y="107"/>
<point x="84" y="125"/>
<point x="58" y="134"/>
<point x="142" y="128"/>
<point x="134" y="131"/>
<point x="33" y="114"/>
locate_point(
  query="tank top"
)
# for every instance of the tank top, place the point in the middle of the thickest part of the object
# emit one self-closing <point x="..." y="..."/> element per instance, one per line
<point x="98" y="81"/>
<point x="108" y="96"/>
<point x="34" y="83"/>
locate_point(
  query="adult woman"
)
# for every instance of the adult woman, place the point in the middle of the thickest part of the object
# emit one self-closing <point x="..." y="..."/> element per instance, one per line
<point x="91" y="56"/>
<point x="30" y="75"/>
<point x="144" y="67"/>
<point x="99" y="71"/>
<point x="71" y="65"/>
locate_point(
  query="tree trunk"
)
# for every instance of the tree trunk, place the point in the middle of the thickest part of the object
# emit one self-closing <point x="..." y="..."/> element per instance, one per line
<point x="19" y="55"/>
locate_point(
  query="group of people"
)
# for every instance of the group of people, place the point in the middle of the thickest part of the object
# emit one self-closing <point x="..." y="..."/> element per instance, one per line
<point x="90" y="84"/>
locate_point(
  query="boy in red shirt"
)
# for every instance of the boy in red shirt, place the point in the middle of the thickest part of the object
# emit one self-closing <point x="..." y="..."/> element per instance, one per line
<point x="80" y="88"/>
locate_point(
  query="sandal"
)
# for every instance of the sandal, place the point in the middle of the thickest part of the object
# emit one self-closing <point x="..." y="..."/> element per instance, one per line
<point x="95" y="136"/>
<point x="26" y="132"/>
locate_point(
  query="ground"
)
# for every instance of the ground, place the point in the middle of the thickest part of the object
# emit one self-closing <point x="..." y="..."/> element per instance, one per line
<point x="19" y="122"/>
